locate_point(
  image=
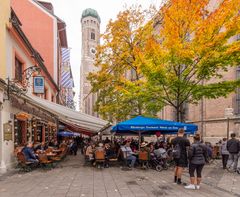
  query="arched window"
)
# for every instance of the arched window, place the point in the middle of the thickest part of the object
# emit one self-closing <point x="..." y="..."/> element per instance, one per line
<point x="92" y="36"/>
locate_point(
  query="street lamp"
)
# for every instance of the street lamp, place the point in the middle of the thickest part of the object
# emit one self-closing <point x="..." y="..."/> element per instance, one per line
<point x="12" y="86"/>
<point x="228" y="113"/>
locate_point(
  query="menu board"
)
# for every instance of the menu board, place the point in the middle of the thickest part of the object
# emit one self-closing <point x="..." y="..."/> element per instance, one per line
<point x="7" y="132"/>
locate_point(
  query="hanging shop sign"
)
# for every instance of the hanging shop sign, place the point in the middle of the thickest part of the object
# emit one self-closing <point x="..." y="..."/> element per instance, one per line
<point x="38" y="85"/>
<point x="7" y="131"/>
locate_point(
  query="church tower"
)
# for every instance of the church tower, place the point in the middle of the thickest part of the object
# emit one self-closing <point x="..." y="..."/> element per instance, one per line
<point x="90" y="22"/>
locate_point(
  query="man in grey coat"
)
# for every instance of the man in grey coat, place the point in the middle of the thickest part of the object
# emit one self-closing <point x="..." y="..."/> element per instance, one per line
<point x="233" y="147"/>
<point x="224" y="152"/>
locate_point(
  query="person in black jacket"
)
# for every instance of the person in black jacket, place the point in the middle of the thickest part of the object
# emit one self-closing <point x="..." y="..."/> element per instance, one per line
<point x="233" y="147"/>
<point x="182" y="162"/>
<point x="198" y="156"/>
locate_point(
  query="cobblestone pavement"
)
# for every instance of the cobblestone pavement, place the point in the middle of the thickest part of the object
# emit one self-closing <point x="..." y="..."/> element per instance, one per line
<point x="71" y="178"/>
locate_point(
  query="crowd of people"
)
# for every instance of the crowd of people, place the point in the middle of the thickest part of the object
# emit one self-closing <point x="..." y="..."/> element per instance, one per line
<point x="193" y="155"/>
<point x="178" y="149"/>
<point x="32" y="151"/>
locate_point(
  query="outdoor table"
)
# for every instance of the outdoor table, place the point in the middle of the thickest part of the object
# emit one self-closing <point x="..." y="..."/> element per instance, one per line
<point x="56" y="151"/>
<point x="51" y="154"/>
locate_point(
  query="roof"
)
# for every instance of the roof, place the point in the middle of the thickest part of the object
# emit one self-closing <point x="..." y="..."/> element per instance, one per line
<point x="48" y="6"/>
<point x="91" y="12"/>
<point x="62" y="33"/>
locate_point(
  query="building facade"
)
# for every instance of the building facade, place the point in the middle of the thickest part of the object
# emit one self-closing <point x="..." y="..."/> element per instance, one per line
<point x="90" y="22"/>
<point x="47" y="33"/>
<point x="21" y="120"/>
<point x="67" y="82"/>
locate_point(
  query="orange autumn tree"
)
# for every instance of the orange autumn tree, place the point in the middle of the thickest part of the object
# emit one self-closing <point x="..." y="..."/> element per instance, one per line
<point x="190" y="48"/>
<point x="120" y="84"/>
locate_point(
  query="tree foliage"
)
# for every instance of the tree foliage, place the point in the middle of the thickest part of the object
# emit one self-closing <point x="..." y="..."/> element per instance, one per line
<point x="191" y="50"/>
<point x="121" y="86"/>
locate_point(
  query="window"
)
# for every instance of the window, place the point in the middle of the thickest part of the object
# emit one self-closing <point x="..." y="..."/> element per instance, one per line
<point x="18" y="70"/>
<point x="52" y="99"/>
<point x="237" y="109"/>
<point x="92" y="36"/>
<point x="45" y="94"/>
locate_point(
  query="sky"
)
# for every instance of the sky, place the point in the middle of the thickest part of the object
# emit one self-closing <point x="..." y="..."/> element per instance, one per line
<point x="71" y="10"/>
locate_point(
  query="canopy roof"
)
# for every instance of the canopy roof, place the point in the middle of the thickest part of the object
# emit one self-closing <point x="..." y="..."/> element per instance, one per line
<point x="151" y="126"/>
<point x="68" y="134"/>
<point x="69" y="116"/>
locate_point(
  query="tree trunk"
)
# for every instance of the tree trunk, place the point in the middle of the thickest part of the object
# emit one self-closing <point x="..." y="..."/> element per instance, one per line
<point x="179" y="113"/>
<point x="139" y="109"/>
<point x="182" y="113"/>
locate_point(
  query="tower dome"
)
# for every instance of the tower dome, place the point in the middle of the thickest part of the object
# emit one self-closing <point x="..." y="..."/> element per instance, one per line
<point x="90" y="12"/>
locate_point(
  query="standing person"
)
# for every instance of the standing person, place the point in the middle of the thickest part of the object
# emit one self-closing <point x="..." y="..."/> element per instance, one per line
<point x="233" y="147"/>
<point x="180" y="144"/>
<point x="197" y="156"/>
<point x="224" y="153"/>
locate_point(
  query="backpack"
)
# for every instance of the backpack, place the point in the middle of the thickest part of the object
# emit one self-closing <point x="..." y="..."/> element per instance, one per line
<point x="176" y="152"/>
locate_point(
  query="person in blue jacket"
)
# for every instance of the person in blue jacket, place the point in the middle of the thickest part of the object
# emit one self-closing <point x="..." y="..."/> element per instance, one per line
<point x="29" y="153"/>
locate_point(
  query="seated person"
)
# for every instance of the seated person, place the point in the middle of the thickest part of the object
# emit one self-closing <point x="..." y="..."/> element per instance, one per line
<point x="160" y="152"/>
<point x="42" y="147"/>
<point x="110" y="154"/>
<point x="29" y="153"/>
<point x="107" y="140"/>
<point x="55" y="144"/>
<point x="100" y="147"/>
<point x="90" y="152"/>
<point x="51" y="143"/>
<point x="73" y="148"/>
<point x="128" y="153"/>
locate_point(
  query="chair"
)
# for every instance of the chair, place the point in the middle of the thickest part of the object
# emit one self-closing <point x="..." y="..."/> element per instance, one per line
<point x="99" y="157"/>
<point x="45" y="163"/>
<point x="123" y="157"/>
<point x="22" y="163"/>
<point x="143" y="158"/>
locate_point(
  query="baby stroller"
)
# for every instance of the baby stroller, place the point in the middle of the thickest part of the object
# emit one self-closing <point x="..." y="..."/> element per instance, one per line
<point x="157" y="163"/>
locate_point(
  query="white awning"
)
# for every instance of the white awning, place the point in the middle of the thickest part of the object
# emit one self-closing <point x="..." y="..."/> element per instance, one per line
<point x="66" y="114"/>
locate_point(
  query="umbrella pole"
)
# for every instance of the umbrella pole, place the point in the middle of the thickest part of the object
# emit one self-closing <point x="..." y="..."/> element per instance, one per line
<point x="139" y="140"/>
